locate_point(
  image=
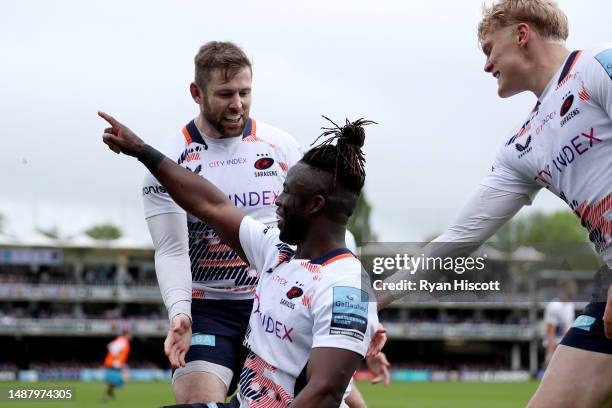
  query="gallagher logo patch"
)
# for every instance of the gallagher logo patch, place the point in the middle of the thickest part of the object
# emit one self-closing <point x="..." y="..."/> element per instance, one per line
<point x="349" y="312"/>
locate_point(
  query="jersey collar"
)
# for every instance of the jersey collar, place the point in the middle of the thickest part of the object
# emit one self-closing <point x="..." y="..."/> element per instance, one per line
<point x="569" y="64"/>
<point x="249" y="128"/>
<point x="332" y="256"/>
<point x="564" y="72"/>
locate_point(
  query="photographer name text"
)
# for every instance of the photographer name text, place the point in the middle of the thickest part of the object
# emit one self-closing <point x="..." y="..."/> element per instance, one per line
<point x="424" y="285"/>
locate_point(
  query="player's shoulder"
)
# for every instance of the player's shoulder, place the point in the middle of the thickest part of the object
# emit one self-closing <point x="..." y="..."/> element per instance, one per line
<point x="255" y="233"/>
<point x="516" y="140"/>
<point x="345" y="278"/>
<point x="172" y="146"/>
<point x="272" y="134"/>
<point x="598" y="55"/>
<point x="591" y="52"/>
<point x="253" y="226"/>
<point x="340" y="267"/>
<point x="519" y="132"/>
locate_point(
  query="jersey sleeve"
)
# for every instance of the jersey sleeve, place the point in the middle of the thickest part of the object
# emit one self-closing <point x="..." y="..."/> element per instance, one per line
<point x="483" y="214"/>
<point x="172" y="264"/>
<point x="155" y="197"/>
<point x="598" y="79"/>
<point x="260" y="244"/>
<point x="505" y="177"/>
<point x="156" y="200"/>
<point x="344" y="315"/>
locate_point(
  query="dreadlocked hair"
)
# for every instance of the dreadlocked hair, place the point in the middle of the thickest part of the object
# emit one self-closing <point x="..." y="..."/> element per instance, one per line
<point x="344" y="160"/>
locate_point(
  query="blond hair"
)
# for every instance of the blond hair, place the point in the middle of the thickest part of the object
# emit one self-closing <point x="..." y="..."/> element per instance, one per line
<point x="544" y="16"/>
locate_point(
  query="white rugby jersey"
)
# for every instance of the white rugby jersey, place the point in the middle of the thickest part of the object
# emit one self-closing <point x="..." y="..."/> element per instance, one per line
<point x="565" y="144"/>
<point x="251" y="170"/>
<point x="299" y="305"/>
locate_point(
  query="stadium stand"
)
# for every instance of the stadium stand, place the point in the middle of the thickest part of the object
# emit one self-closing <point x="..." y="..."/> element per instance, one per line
<point x="63" y="301"/>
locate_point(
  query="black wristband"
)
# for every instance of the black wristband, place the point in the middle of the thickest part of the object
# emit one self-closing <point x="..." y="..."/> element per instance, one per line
<point x="150" y="158"/>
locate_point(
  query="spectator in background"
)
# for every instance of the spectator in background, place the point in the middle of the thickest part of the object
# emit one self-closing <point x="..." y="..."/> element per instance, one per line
<point x="558" y="316"/>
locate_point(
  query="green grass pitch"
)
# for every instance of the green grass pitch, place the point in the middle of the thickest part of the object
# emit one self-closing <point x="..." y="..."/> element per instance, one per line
<point x="401" y="395"/>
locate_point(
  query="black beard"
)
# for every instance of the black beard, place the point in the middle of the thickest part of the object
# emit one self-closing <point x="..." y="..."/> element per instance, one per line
<point x="295" y="230"/>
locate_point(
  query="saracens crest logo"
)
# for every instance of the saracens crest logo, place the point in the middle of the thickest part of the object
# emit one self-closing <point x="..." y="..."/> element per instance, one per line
<point x="565" y="113"/>
<point x="567" y="104"/>
<point x="263" y="164"/>
<point x="295" y="292"/>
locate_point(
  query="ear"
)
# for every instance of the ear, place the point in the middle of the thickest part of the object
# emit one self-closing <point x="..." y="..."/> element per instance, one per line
<point x="196" y="93"/>
<point x="316" y="204"/>
<point x="523" y="34"/>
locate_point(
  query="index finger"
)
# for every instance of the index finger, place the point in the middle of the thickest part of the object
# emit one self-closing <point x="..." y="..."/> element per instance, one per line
<point x="108" y="118"/>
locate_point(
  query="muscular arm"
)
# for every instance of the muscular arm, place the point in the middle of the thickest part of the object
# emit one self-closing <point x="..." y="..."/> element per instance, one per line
<point x="484" y="213"/>
<point x="190" y="191"/>
<point x="328" y="374"/>
<point x="172" y="265"/>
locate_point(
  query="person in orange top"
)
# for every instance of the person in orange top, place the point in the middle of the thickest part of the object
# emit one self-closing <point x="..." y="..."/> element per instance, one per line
<point x="116" y="357"/>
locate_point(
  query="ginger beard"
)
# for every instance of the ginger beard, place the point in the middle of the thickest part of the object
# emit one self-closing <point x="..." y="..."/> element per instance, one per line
<point x="222" y="121"/>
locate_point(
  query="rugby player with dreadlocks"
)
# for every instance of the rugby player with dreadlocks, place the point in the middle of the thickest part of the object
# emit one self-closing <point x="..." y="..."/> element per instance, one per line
<point x="311" y="322"/>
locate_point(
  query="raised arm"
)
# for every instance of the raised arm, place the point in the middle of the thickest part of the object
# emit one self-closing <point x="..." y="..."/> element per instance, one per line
<point x="192" y="192"/>
<point x="484" y="213"/>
